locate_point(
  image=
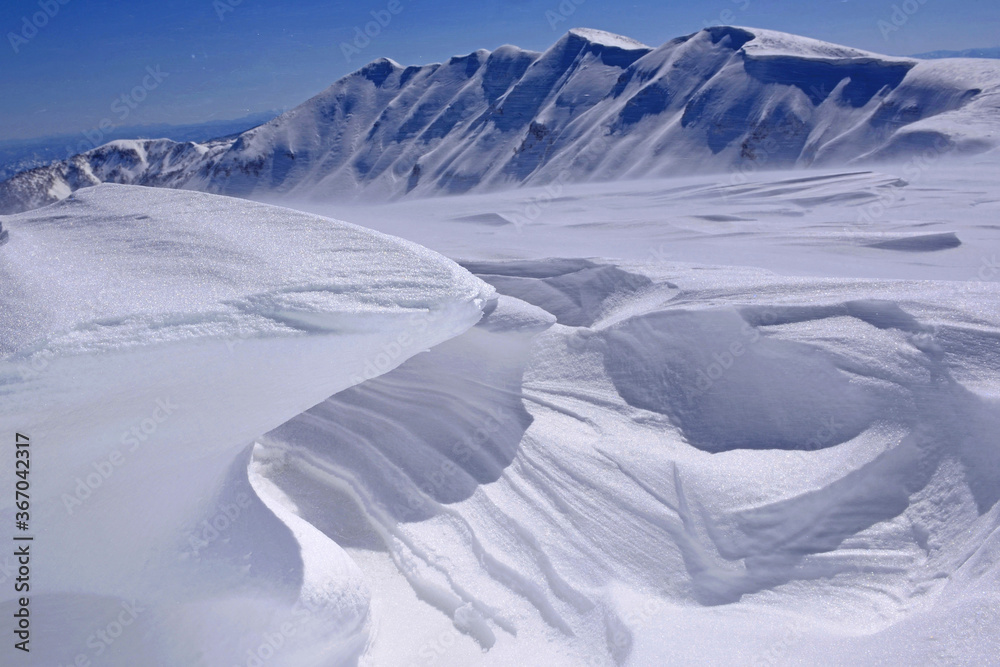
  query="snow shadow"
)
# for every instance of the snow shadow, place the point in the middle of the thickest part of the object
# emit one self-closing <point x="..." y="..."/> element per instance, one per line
<point x="577" y="291"/>
<point x="427" y="433"/>
<point x="727" y="386"/>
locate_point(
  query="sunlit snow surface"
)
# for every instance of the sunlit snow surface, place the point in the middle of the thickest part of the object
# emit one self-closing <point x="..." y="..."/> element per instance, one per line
<point x="147" y="337"/>
<point x="748" y="419"/>
<point x="670" y="459"/>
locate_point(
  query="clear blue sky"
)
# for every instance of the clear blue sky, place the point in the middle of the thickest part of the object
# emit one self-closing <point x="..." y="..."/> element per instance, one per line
<point x="264" y="55"/>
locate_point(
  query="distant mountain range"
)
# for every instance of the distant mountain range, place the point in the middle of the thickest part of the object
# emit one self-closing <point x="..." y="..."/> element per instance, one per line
<point x="17" y="155"/>
<point x="593" y="107"/>
<point x="967" y="53"/>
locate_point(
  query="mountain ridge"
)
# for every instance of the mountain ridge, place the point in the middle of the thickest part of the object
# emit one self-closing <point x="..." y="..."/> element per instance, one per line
<point x="592" y="107"/>
<point x="986" y="52"/>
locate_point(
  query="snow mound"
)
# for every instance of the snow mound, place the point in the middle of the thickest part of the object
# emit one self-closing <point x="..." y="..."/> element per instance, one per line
<point x="127" y="256"/>
<point x="920" y="242"/>
<point x="147" y="337"/>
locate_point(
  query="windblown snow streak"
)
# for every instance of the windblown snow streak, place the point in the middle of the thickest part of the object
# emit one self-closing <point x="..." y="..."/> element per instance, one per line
<point x="593" y="107"/>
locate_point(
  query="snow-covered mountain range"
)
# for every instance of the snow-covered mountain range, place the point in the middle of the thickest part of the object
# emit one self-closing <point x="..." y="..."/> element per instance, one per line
<point x="594" y="106"/>
<point x="993" y="52"/>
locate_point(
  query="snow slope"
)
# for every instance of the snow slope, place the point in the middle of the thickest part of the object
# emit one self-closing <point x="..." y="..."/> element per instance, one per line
<point x="763" y="432"/>
<point x="593" y="107"/>
<point x="147" y="336"/>
<point x="633" y="490"/>
<point x="669" y="458"/>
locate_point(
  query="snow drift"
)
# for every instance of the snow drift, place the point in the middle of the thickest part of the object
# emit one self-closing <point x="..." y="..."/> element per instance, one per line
<point x="665" y="460"/>
<point x="692" y="476"/>
<point x="147" y="336"/>
<point x="593" y="107"/>
<point x="651" y="460"/>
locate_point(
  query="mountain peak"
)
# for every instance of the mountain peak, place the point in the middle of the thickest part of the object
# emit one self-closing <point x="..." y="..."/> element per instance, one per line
<point x="737" y="36"/>
<point x="760" y="42"/>
<point x="379" y="70"/>
<point x="607" y="39"/>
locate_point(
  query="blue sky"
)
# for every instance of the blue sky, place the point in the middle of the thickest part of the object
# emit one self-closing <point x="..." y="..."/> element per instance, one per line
<point x="185" y="61"/>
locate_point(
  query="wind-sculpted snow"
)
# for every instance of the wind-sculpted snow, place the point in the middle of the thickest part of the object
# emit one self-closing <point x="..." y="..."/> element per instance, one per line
<point x="575" y="292"/>
<point x="668" y="459"/>
<point x="660" y="459"/>
<point x="147" y="336"/>
<point x="593" y="107"/>
<point x="631" y="490"/>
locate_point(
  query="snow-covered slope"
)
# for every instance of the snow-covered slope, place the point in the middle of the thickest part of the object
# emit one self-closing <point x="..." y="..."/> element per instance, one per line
<point x="767" y="433"/>
<point x="711" y="462"/>
<point x="146" y="337"/>
<point x="594" y="106"/>
<point x="671" y="460"/>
